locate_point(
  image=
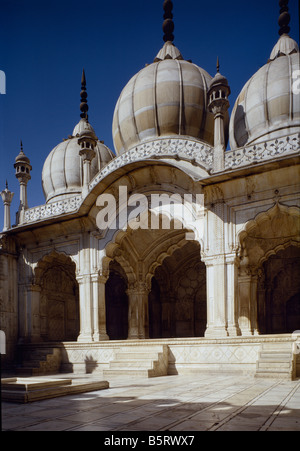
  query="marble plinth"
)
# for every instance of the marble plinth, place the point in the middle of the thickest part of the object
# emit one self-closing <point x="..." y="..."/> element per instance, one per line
<point x="23" y="390"/>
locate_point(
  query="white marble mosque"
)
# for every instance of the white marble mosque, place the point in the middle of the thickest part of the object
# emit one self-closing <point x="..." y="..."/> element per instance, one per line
<point x="170" y="254"/>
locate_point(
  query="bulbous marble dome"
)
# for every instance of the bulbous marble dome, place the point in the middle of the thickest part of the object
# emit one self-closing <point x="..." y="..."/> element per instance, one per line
<point x="268" y="105"/>
<point x="166" y="98"/>
<point x="62" y="174"/>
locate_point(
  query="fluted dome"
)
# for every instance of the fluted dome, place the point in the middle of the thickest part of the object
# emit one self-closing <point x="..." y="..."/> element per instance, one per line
<point x="62" y="172"/>
<point x="268" y="107"/>
<point x="167" y="97"/>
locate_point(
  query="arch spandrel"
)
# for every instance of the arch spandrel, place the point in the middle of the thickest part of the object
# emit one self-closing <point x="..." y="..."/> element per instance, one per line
<point x="145" y="177"/>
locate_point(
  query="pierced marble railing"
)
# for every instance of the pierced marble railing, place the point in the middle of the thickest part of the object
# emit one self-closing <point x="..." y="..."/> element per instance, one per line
<point x="52" y="209"/>
<point x="184" y="149"/>
<point x="264" y="151"/>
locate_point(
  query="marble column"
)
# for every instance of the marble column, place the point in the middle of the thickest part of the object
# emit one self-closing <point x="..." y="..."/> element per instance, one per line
<point x="133" y="314"/>
<point x="99" y="308"/>
<point x="85" y="309"/>
<point x="216" y="297"/>
<point x="138" y="315"/>
<point x="232" y="295"/>
<point x="32" y="329"/>
<point x="254" y="303"/>
<point x="245" y="302"/>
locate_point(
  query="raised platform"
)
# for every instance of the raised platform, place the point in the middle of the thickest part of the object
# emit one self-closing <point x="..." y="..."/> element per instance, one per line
<point x="238" y="355"/>
<point x="23" y="390"/>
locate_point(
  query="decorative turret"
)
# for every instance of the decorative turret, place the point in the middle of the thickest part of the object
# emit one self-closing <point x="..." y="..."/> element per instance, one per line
<point x="218" y="104"/>
<point x="87" y="139"/>
<point x="7" y="197"/>
<point x="23" y="168"/>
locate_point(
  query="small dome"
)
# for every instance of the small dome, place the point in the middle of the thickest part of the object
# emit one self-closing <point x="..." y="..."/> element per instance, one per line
<point x="218" y="79"/>
<point x="268" y="107"/>
<point x="62" y="172"/>
<point x="82" y="126"/>
<point x="167" y="97"/>
<point x="21" y="158"/>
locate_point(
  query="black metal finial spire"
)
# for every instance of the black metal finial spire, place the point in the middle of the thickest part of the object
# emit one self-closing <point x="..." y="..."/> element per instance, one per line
<point x="284" y="18"/>
<point x="6" y="185"/>
<point x="83" y="98"/>
<point x="21" y="146"/>
<point x="218" y="65"/>
<point x="168" y="25"/>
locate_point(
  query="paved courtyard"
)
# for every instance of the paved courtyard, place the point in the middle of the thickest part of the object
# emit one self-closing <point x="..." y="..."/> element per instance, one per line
<point x="173" y="403"/>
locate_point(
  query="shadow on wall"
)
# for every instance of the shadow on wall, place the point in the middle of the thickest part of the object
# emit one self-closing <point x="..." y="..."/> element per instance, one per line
<point x="90" y="364"/>
<point x="241" y="135"/>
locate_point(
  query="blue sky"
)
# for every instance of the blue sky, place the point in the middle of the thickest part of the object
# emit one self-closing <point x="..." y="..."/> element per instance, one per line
<point x="45" y="44"/>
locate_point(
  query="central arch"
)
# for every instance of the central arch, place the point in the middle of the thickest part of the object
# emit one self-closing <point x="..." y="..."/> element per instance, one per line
<point x="161" y="273"/>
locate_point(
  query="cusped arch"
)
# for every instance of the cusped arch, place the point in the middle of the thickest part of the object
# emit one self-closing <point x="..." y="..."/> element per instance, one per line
<point x="115" y="252"/>
<point x="61" y="258"/>
<point x="273" y="229"/>
<point x="278" y="249"/>
<point x="162" y="244"/>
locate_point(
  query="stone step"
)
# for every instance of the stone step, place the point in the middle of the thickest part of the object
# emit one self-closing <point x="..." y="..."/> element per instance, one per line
<point x="126" y="372"/>
<point x="31" y="371"/>
<point x="275" y="347"/>
<point x="24" y="371"/>
<point x="276" y="360"/>
<point x="139" y="361"/>
<point x="31" y="363"/>
<point x="40" y="361"/>
<point x="39" y="352"/>
<point x="138" y="364"/>
<point x="272" y="375"/>
<point x="136" y="355"/>
<point x="278" y="355"/>
<point x="273" y="365"/>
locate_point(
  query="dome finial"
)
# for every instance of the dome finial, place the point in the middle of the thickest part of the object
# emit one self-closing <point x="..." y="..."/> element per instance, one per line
<point x="284" y="18"/>
<point x="83" y="97"/>
<point x="218" y="65"/>
<point x="168" y="25"/>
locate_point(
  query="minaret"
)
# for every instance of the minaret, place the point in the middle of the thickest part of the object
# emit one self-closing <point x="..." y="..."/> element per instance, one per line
<point x="218" y="104"/>
<point x="7" y="197"/>
<point x="23" y="168"/>
<point x="87" y="139"/>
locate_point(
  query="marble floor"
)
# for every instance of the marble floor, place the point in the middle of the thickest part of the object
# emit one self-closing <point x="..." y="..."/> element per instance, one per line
<point x="171" y="403"/>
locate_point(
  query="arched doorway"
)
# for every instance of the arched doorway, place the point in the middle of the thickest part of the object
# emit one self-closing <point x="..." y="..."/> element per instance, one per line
<point x="116" y="301"/>
<point x="177" y="301"/>
<point x="281" y="284"/>
<point x="153" y="264"/>
<point x="59" y="298"/>
<point x="269" y="272"/>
